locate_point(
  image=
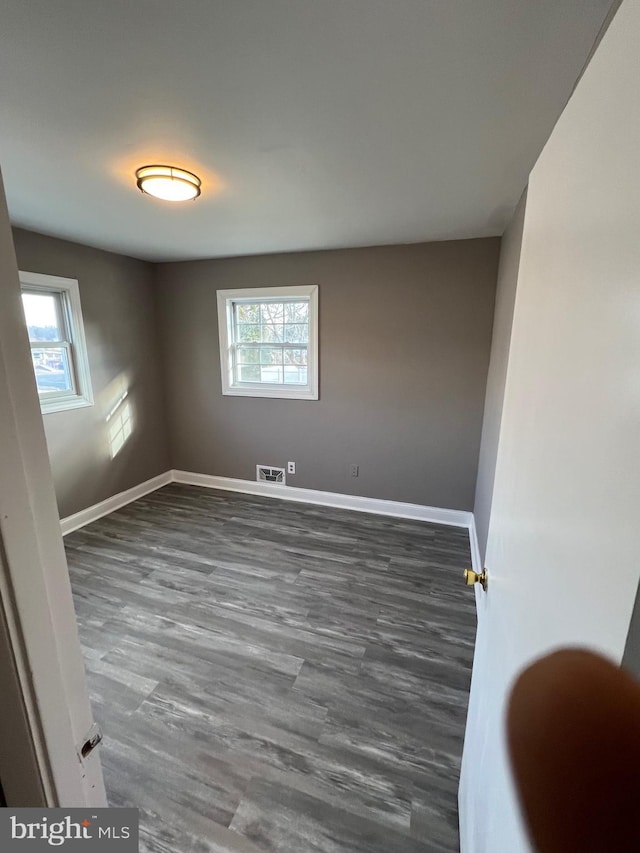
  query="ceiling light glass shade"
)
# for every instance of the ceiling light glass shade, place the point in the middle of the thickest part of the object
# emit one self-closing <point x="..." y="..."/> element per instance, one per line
<point x="168" y="183"/>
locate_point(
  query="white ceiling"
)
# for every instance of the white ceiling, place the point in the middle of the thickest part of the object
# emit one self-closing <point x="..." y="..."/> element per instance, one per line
<point x="313" y="123"/>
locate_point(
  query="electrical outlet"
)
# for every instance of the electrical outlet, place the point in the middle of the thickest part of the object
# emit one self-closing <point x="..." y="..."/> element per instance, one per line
<point x="291" y="467"/>
<point x="355" y="470"/>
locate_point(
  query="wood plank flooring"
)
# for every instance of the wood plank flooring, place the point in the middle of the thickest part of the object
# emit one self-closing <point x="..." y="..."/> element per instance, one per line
<point x="273" y="676"/>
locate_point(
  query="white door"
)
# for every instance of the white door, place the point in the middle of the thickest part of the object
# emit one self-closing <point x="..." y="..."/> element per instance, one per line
<point x="45" y="705"/>
<point x="563" y="555"/>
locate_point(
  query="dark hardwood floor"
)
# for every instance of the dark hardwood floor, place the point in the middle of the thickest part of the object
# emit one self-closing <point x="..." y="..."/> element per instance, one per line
<point x="276" y="676"/>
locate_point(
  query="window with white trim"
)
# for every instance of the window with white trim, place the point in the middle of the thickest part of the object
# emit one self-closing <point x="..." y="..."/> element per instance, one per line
<point x="269" y="342"/>
<point x="56" y="334"/>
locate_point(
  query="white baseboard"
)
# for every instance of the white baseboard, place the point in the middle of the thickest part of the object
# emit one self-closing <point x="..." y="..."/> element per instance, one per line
<point x="453" y="517"/>
<point x="93" y="513"/>
<point x="395" y="509"/>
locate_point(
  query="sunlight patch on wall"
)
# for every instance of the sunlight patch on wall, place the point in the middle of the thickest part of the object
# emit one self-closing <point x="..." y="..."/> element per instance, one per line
<point x="120" y="423"/>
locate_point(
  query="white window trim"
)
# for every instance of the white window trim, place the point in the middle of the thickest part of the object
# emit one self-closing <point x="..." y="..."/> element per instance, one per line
<point x="83" y="394"/>
<point x="225" y="332"/>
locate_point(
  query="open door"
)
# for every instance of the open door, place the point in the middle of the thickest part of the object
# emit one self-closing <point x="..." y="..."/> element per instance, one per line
<point x="563" y="555"/>
<point x="45" y="713"/>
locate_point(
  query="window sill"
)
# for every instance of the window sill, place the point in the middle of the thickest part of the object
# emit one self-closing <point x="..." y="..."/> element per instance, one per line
<point x="275" y="393"/>
<point x="49" y="407"/>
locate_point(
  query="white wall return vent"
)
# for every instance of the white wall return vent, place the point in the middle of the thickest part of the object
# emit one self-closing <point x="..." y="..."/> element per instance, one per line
<point x="267" y="474"/>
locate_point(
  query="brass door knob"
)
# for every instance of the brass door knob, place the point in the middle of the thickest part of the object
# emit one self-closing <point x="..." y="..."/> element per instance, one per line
<point x="471" y="577"/>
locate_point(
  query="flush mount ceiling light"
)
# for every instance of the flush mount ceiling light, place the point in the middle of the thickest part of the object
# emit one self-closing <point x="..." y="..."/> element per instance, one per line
<point x="168" y="183"/>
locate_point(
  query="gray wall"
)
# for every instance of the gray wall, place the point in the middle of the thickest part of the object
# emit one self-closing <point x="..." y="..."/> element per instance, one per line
<point x="503" y="319"/>
<point x="119" y="310"/>
<point x="405" y="336"/>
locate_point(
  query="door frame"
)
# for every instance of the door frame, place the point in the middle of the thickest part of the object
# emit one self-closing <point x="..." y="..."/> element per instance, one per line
<point x="47" y="711"/>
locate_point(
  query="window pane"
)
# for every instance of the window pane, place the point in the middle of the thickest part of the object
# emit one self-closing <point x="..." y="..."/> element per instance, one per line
<point x="272" y="318"/>
<point x="297" y="334"/>
<point x="42" y="316"/>
<point x="272" y="313"/>
<point x="247" y="313"/>
<point x="248" y="355"/>
<point x="52" y="369"/>
<point x="295" y="356"/>
<point x="294" y="375"/>
<point x="296" y="312"/>
<point x="270" y="356"/>
<point x="271" y="373"/>
<point x="249" y="373"/>
<point x="248" y="334"/>
<point x="271" y="328"/>
<point x="273" y="334"/>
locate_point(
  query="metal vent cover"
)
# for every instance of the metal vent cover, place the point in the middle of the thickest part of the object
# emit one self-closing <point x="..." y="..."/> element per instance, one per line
<point x="269" y="474"/>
